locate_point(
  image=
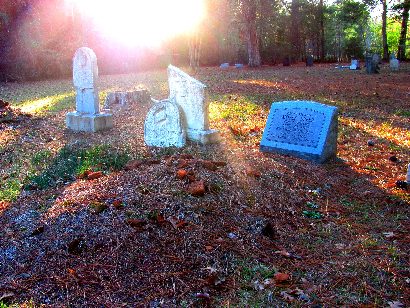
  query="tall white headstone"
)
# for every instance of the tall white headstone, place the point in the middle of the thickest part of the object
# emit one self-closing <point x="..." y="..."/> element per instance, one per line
<point x="189" y="94"/>
<point x="163" y="125"/>
<point x="87" y="116"/>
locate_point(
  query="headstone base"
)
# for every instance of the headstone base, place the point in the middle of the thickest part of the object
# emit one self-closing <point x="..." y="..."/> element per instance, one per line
<point x="89" y="123"/>
<point x="203" y="136"/>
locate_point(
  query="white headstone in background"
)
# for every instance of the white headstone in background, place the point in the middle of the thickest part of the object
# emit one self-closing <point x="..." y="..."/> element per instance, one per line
<point x="394" y="64"/>
<point x="163" y="125"/>
<point x="303" y="129"/>
<point x="87" y="116"/>
<point x="354" y="65"/>
<point x="189" y="94"/>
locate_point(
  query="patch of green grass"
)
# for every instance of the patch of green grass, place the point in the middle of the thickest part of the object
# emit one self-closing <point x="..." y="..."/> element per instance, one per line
<point x="233" y="108"/>
<point x="70" y="162"/>
<point x="402" y="113"/>
<point x="347" y="202"/>
<point x="250" y="271"/>
<point x="41" y="158"/>
<point x="10" y="190"/>
<point x="52" y="103"/>
<point x="312" y="214"/>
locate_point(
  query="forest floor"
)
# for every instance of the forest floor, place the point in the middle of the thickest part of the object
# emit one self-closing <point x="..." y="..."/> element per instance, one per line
<point x="100" y="220"/>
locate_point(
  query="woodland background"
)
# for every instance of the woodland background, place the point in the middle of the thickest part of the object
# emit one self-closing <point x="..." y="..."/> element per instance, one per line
<point x="39" y="37"/>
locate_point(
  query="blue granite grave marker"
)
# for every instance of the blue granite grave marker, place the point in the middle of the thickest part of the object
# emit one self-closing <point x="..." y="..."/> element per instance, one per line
<point x="303" y="129"/>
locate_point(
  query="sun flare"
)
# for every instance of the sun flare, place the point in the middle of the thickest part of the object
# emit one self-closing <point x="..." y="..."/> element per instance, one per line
<point x="142" y="22"/>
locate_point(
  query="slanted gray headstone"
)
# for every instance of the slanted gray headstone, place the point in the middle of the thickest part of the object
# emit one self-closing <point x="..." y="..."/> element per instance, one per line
<point x="189" y="94"/>
<point x="163" y="126"/>
<point x="87" y="116"/>
<point x="303" y="129"/>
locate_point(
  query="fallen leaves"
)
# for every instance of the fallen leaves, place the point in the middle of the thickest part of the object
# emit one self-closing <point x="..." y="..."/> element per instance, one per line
<point x="181" y="174"/>
<point x="281" y="277"/>
<point x="136" y="223"/>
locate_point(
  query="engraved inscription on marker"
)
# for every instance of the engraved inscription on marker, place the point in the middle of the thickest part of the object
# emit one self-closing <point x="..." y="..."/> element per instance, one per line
<point x="299" y="128"/>
<point x="303" y="129"/>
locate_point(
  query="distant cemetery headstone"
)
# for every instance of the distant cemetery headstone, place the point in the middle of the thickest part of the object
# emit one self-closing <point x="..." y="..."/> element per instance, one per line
<point x="286" y="61"/>
<point x="238" y="65"/>
<point x="394" y="63"/>
<point x="376" y="58"/>
<point x="126" y="97"/>
<point x="87" y="116"/>
<point x="224" y="65"/>
<point x="372" y="64"/>
<point x="309" y="60"/>
<point x="408" y="174"/>
<point x="163" y="125"/>
<point x="354" y="65"/>
<point x="303" y="129"/>
<point x="189" y="94"/>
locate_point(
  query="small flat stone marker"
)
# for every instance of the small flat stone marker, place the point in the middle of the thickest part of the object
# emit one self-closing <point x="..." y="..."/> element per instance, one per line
<point x="189" y="94"/>
<point x="87" y="116"/>
<point x="303" y="129"/>
<point x="163" y="125"/>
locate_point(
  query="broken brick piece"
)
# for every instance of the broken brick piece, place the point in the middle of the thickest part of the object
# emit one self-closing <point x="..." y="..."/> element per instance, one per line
<point x="197" y="188"/>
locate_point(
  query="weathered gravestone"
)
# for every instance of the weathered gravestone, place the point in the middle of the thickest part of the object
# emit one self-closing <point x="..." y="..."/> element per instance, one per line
<point x="408" y="175"/>
<point x="163" y="126"/>
<point x="189" y="94"/>
<point x="303" y="129"/>
<point x="394" y="63"/>
<point x="286" y="61"/>
<point x="309" y="60"/>
<point x="372" y="64"/>
<point x="224" y="65"/>
<point x="126" y="97"/>
<point x="87" y="116"/>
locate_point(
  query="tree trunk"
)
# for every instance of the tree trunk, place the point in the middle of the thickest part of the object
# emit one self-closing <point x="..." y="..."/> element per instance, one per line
<point x="295" y="30"/>
<point x="194" y="51"/>
<point x="252" y="37"/>
<point x="322" y="32"/>
<point x="384" y="31"/>
<point x="401" y="50"/>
